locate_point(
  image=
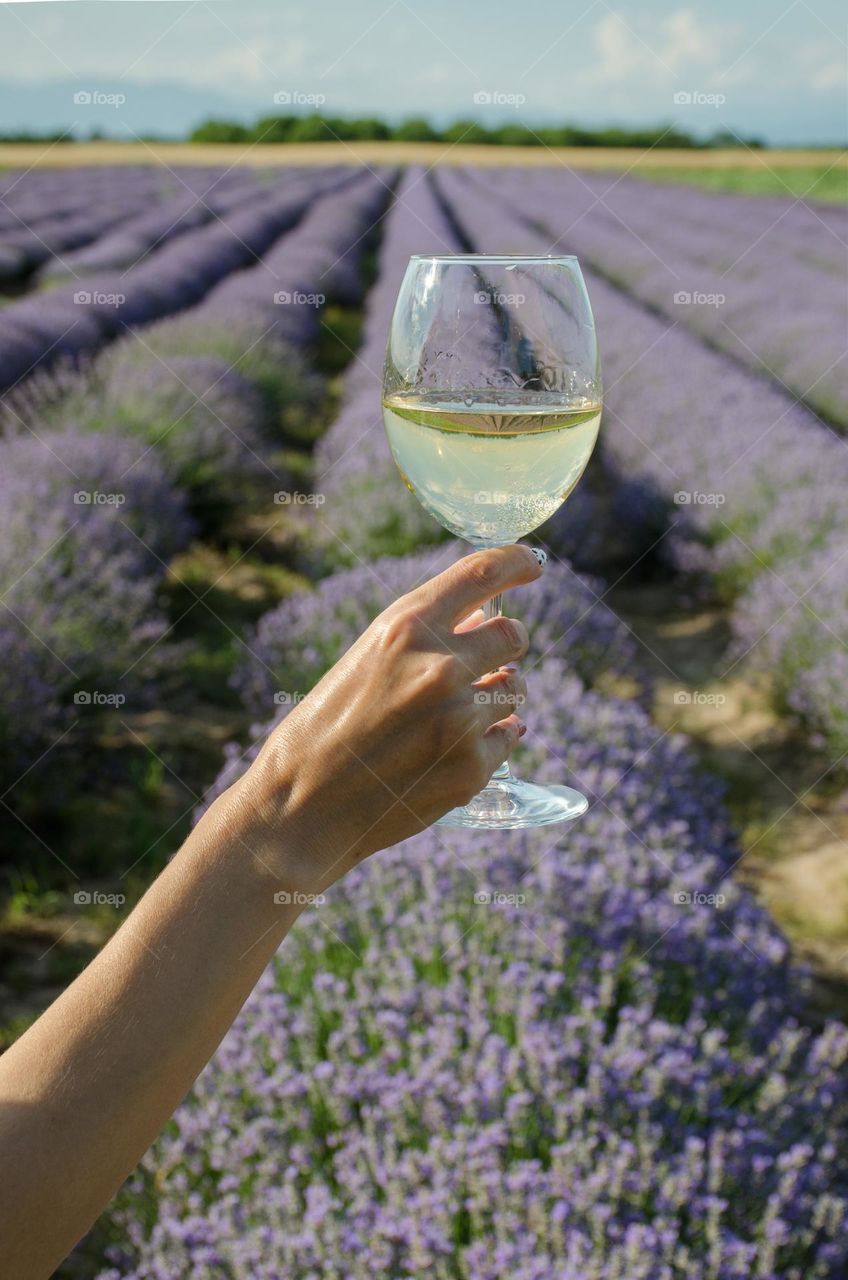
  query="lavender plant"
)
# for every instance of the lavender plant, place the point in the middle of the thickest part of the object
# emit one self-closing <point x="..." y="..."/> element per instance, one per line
<point x="42" y="220"/>
<point x="208" y="426"/>
<point x="792" y="624"/>
<point x="202" y="197"/>
<point x="524" y="1056"/>
<point x="85" y="533"/>
<point x="365" y="511"/>
<point x="70" y="321"/>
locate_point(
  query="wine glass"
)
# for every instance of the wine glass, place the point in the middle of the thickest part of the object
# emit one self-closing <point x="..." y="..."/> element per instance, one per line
<point x="492" y="403"/>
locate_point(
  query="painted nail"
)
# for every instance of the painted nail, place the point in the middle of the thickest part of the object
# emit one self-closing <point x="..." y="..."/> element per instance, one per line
<point x="522" y="728"/>
<point x="541" y="555"/>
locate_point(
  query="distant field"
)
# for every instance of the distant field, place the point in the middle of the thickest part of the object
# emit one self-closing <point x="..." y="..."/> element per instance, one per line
<point x="736" y="169"/>
<point x="817" y="181"/>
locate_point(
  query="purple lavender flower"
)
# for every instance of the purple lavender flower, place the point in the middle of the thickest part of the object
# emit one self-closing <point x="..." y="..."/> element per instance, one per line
<point x="85" y="534"/>
<point x="69" y="320"/>
<point x="518" y="1051"/>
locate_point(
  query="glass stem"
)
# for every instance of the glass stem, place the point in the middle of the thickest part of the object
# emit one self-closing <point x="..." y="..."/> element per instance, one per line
<point x="493" y="609"/>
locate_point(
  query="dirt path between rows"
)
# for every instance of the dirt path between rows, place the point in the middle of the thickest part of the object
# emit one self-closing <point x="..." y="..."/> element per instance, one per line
<point x="790" y="807"/>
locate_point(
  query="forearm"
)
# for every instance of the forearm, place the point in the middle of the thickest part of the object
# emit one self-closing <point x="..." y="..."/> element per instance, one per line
<point x="86" y="1089"/>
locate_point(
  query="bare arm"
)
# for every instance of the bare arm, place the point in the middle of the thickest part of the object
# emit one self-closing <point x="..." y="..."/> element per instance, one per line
<point x="388" y="741"/>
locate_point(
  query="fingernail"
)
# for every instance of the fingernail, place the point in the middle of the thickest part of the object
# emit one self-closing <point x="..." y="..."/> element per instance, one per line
<point x="522" y="728"/>
<point x="541" y="555"/>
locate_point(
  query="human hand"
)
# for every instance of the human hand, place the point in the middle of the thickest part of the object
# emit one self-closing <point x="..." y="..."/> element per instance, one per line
<point x="393" y="736"/>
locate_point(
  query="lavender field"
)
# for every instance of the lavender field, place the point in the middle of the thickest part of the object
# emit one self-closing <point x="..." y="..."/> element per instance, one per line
<point x="577" y="1054"/>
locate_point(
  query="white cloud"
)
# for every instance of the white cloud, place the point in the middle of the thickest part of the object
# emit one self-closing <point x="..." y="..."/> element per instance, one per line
<point x="678" y="43"/>
<point x="436" y="73"/>
<point x="830" y="76"/>
<point x="686" y="40"/>
<point x="226" y="68"/>
<point x="825" y="69"/>
<point x="619" y="53"/>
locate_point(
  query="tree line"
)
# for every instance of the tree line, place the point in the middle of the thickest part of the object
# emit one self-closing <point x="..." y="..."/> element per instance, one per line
<point x="319" y="128"/>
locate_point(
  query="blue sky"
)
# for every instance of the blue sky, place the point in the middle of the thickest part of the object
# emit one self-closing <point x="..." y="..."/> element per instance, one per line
<point x="771" y="69"/>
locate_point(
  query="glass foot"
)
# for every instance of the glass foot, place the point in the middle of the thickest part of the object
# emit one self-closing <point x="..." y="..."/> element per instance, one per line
<point x="508" y="803"/>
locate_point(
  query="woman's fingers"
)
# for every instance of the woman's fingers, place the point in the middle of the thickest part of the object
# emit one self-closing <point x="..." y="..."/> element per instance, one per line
<point x="470" y="582"/>
<point x="491" y="645"/>
<point x="499" y="695"/>
<point x="500" y="741"/>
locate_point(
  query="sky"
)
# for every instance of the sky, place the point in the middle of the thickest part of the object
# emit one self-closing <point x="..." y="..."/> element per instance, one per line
<point x="761" y="68"/>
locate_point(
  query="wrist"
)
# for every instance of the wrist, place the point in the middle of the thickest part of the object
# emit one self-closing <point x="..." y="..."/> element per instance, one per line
<point x="246" y="835"/>
<point x="266" y="817"/>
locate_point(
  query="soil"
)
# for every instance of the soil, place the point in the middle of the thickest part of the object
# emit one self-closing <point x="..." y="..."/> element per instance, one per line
<point x="789" y="804"/>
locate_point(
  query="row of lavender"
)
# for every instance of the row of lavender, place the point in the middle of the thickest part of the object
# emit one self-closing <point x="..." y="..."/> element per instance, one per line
<point x="567" y="1057"/>
<point x="365" y="512"/>
<point x="755" y="481"/>
<point x="763" y="279"/>
<point x="46" y="217"/>
<point x="37" y="194"/>
<point x="200" y="199"/>
<point x="75" y="319"/>
<point x="110" y="469"/>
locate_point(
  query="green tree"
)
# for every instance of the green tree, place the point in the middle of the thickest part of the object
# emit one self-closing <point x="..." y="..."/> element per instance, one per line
<point x="274" y="128"/>
<point x="468" y="131"/>
<point x="309" y="129"/>
<point x="220" y="131"/>
<point x="516" y="135"/>
<point x="415" y="129"/>
<point x="370" y="129"/>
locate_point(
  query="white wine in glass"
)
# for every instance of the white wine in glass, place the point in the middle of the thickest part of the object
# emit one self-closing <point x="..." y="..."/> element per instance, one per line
<point x="490" y="472"/>
<point x="492" y="404"/>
